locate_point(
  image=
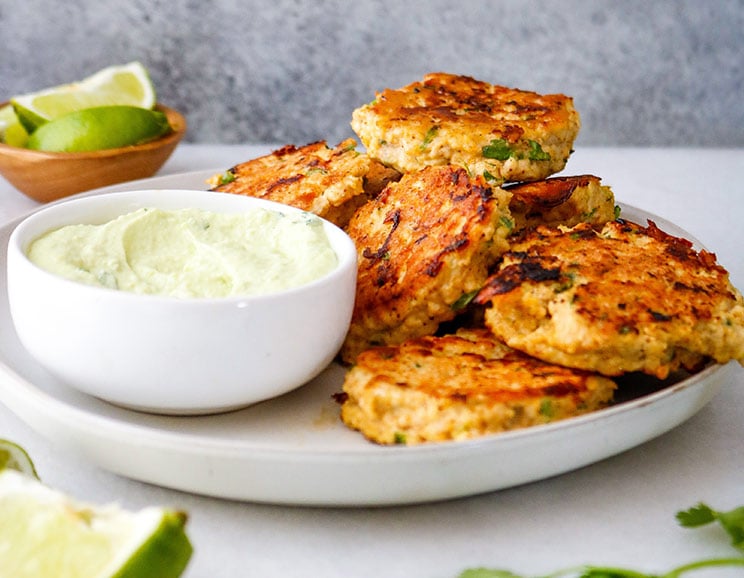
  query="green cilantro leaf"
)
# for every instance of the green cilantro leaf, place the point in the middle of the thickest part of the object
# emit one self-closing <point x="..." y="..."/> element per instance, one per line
<point x="698" y="515"/>
<point x="399" y="438"/>
<point x="498" y="149"/>
<point x="490" y="178"/>
<point x="428" y="137"/>
<point x="464" y="300"/>
<point x="537" y="153"/>
<point x="732" y="521"/>
<point x="227" y="177"/>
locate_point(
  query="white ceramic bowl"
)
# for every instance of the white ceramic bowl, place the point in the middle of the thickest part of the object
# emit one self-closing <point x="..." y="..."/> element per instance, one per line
<point x="168" y="355"/>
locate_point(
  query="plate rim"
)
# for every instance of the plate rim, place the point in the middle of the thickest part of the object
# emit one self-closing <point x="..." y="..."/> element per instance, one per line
<point x="73" y="416"/>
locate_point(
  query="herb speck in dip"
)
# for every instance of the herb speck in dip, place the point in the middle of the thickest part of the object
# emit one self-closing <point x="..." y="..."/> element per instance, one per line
<point x="188" y="253"/>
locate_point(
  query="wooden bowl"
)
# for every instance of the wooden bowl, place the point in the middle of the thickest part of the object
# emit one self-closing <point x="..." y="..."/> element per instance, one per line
<point x="46" y="176"/>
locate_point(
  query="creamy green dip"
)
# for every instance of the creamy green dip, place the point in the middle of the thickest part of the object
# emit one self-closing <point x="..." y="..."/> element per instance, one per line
<point x="190" y="252"/>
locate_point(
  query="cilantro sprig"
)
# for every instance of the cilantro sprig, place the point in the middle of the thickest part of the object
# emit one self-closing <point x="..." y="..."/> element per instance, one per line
<point x="607" y="572"/>
<point x="731" y="521"/>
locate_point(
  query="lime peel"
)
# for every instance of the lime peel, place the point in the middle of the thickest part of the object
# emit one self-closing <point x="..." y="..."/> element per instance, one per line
<point x="46" y="533"/>
<point x="100" y="128"/>
<point x="14" y="457"/>
<point x="127" y="84"/>
<point x="12" y="132"/>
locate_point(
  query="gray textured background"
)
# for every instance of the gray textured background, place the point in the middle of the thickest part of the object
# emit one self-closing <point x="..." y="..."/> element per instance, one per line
<point x="291" y="71"/>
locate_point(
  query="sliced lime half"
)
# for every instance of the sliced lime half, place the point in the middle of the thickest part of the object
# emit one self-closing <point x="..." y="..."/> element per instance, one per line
<point x="126" y="84"/>
<point x="43" y="532"/>
<point x="14" y="457"/>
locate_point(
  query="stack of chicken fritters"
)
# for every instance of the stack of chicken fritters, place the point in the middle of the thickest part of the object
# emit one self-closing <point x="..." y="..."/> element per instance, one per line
<point x="492" y="295"/>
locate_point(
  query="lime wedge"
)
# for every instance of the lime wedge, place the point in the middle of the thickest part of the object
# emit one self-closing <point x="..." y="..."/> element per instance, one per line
<point x="14" y="457"/>
<point x="103" y="127"/>
<point x="127" y="84"/>
<point x="11" y="130"/>
<point x="45" y="533"/>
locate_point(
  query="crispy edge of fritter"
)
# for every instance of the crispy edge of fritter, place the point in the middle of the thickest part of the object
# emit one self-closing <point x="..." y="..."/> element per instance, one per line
<point x="504" y="133"/>
<point x="422" y="244"/>
<point x="626" y="298"/>
<point x="329" y="182"/>
<point x="565" y="200"/>
<point x="458" y="387"/>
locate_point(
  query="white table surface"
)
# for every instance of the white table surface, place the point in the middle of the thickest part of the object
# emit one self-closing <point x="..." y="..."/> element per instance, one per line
<point x="616" y="512"/>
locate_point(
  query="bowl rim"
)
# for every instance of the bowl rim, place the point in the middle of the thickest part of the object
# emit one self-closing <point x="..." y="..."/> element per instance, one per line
<point x="175" y="119"/>
<point x="342" y="245"/>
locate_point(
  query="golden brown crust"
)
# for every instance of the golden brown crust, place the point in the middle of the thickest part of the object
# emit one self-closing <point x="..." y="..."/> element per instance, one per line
<point x="378" y="177"/>
<point x="504" y="133"/>
<point x="459" y="387"/>
<point x="564" y="201"/>
<point x="329" y="182"/>
<point x="626" y="298"/>
<point x="422" y="244"/>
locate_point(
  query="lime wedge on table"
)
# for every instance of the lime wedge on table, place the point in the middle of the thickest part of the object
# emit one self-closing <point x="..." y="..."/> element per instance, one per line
<point x="44" y="533"/>
<point x="127" y="84"/>
<point x="103" y="127"/>
<point x="14" y="457"/>
<point x="11" y="130"/>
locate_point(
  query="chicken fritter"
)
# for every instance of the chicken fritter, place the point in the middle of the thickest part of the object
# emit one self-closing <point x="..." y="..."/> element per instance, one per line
<point x="564" y="201"/>
<point x="462" y="386"/>
<point x="424" y="244"/>
<point x="329" y="182"/>
<point x="502" y="133"/>
<point x="626" y="298"/>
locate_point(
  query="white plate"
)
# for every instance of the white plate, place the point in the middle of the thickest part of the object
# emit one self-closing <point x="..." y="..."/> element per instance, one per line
<point x="294" y="450"/>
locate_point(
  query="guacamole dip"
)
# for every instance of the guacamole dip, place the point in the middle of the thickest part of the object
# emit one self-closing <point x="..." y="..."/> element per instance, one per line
<point x="190" y="252"/>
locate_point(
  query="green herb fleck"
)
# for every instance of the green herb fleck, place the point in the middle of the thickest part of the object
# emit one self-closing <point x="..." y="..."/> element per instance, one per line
<point x="546" y="407"/>
<point x="428" y="137"/>
<point x="226" y="178"/>
<point x="498" y="149"/>
<point x="464" y="300"/>
<point x="507" y="222"/>
<point x="399" y="438"/>
<point x="567" y="281"/>
<point x="349" y="147"/>
<point x="618" y="210"/>
<point x="490" y="178"/>
<point x="589" y="214"/>
<point x="107" y="279"/>
<point x="536" y="152"/>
